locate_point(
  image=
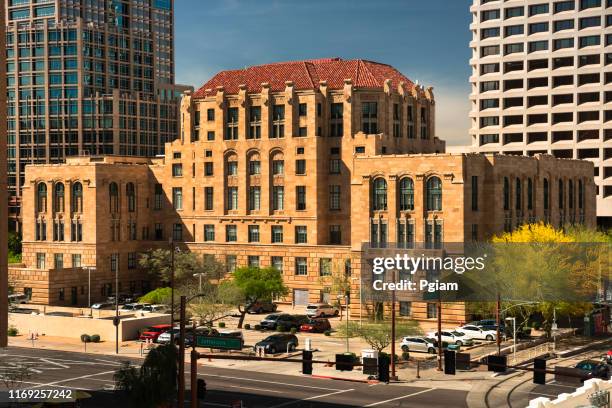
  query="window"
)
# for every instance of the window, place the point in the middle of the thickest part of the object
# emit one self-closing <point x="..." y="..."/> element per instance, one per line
<point x="562" y="43"/>
<point x="58" y="261"/>
<point x="277" y="263"/>
<point x="254" y="122"/>
<point x="230" y="263"/>
<point x="76" y="260"/>
<point x="113" y="191"/>
<point x="301" y="268"/>
<point x="300" y="198"/>
<point x="325" y="266"/>
<point x="278" y="167"/>
<point x="406" y="189"/>
<point x="114" y="262"/>
<point x="231" y="234"/>
<point x="300" y="167"/>
<point x="253" y="233"/>
<point x="253" y="261"/>
<point x="589" y="41"/>
<point x="334" y="197"/>
<point x="434" y="194"/>
<point x="277" y="234"/>
<point x="159" y="231"/>
<point x="584" y="60"/>
<point x="335" y="235"/>
<point x="177" y="198"/>
<point x="535" y="46"/>
<point x="563" y="25"/>
<point x="487" y="69"/>
<point x="40" y="260"/>
<point x="278" y="198"/>
<point x="489" y="32"/>
<point x="177" y="170"/>
<point x="405" y="308"/>
<point x="489" y="138"/>
<point x="231" y="124"/>
<point x="369" y="117"/>
<point x="379" y="194"/>
<point x="489" y="50"/>
<point x="208" y="169"/>
<point x="489" y="86"/>
<point x="489" y="121"/>
<point x="232" y="168"/>
<point x="254" y="198"/>
<point x="301" y="234"/>
<point x="586" y="4"/>
<point x="562" y="6"/>
<point x="563" y="62"/>
<point x="254" y="167"/>
<point x="535" y="28"/>
<point x="58" y="198"/>
<point x="474" y="193"/>
<point x="546" y="195"/>
<point x="432" y="311"/>
<point x="210" y="135"/>
<point x="157" y="205"/>
<point x="232" y="198"/>
<point x="538" y="9"/>
<point x="514" y="12"/>
<point x="209" y="232"/>
<point x="302" y="109"/>
<point x="529" y="194"/>
<point x="513" y="48"/>
<point x="489" y="15"/>
<point x="210" y="115"/>
<point x="41" y="197"/>
<point x="489" y="104"/>
<point x="208" y="198"/>
<point x="561" y="195"/>
<point x="588" y="22"/>
<point x="278" y="121"/>
<point x="336" y="120"/>
<point x="177" y="232"/>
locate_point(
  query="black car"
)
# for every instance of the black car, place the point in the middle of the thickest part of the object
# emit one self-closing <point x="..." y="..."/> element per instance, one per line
<point x="594" y="369"/>
<point x="262" y="306"/>
<point x="490" y="324"/>
<point x="288" y="321"/>
<point x="278" y="343"/>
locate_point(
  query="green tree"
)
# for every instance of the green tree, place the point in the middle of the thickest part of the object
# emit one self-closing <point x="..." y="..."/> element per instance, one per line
<point x="154" y="384"/>
<point x="158" y="262"/>
<point x="157" y="296"/>
<point x="378" y="335"/>
<point x="253" y="284"/>
<point x="211" y="301"/>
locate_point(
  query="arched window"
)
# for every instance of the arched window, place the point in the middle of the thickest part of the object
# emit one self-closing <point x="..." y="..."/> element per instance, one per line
<point x="406" y="194"/>
<point x="130" y="194"/>
<point x="529" y="194"/>
<point x="546" y="195"/>
<point x="570" y="187"/>
<point x="58" y="198"/>
<point x="77" y="197"/>
<point x="41" y="197"/>
<point x="580" y="195"/>
<point x="379" y="194"/>
<point x="506" y="194"/>
<point x="434" y="194"/>
<point x="518" y="194"/>
<point x="561" y="195"/>
<point x="113" y="192"/>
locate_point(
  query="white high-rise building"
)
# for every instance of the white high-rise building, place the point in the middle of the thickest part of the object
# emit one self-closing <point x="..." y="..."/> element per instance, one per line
<point x="542" y="82"/>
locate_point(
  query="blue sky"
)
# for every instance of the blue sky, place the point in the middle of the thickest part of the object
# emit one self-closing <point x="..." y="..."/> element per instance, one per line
<point x="427" y="40"/>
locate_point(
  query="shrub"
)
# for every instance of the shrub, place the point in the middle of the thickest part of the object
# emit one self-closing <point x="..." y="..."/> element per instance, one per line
<point x="12" y="331"/>
<point x="405" y="356"/>
<point x="293" y="330"/>
<point x="257" y="327"/>
<point x="85" y="338"/>
<point x="327" y="332"/>
<point x="280" y="328"/>
<point x="247" y="326"/>
<point x="536" y="325"/>
<point x="221" y="325"/>
<point x="95" y="338"/>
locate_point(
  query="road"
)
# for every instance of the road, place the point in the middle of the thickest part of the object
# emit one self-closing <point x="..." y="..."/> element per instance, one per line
<point x="94" y="374"/>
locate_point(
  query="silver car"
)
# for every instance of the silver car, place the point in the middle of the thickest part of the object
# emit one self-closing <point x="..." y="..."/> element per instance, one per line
<point x="321" y="310"/>
<point x="418" y="344"/>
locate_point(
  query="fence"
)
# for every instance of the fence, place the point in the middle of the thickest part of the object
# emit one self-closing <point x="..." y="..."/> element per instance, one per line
<point x="529" y="354"/>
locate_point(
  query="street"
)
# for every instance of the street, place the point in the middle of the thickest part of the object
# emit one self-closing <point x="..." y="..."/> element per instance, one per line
<point x="94" y="374"/>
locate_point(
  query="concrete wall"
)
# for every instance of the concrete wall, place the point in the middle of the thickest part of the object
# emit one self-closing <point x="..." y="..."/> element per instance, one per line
<point x="579" y="398"/>
<point x="73" y="327"/>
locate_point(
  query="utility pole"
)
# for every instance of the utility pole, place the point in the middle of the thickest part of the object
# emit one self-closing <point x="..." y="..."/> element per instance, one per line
<point x="439" y="310"/>
<point x="181" y="356"/>
<point x="393" y="376"/>
<point x="194" y="371"/>
<point x="498" y="337"/>
<point x="171" y="244"/>
<point x="116" y="266"/>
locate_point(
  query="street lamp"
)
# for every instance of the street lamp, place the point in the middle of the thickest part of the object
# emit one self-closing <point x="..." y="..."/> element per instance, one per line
<point x="199" y="275"/>
<point x="513" y="319"/>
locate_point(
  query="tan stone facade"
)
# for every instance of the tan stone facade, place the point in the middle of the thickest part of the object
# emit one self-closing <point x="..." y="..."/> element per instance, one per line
<point x="283" y="190"/>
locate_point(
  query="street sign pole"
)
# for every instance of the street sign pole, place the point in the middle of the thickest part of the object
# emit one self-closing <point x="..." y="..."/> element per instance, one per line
<point x="194" y="372"/>
<point x="181" y="356"/>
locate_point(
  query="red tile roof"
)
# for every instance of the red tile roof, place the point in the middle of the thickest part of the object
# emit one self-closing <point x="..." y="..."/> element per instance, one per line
<point x="306" y="75"/>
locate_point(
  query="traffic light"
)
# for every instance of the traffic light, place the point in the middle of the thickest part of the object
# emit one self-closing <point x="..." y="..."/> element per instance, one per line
<point x="306" y="362"/>
<point x="497" y="364"/>
<point x="344" y="362"/>
<point x="383" y="368"/>
<point x="450" y="362"/>
<point x="539" y="375"/>
<point x="201" y="387"/>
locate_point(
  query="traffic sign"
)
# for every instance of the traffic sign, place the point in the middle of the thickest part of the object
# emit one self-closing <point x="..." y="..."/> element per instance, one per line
<point x="223" y="343"/>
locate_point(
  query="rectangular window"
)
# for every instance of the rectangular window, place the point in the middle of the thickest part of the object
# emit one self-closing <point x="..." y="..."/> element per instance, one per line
<point x="514" y="12"/>
<point x="58" y="260"/>
<point x="177" y="232"/>
<point x="405" y="308"/>
<point x="301" y="266"/>
<point x="334" y="166"/>
<point x="489" y="15"/>
<point x="562" y="6"/>
<point x="159" y="232"/>
<point x="278" y="198"/>
<point x="209" y="232"/>
<point x="369" y="111"/>
<point x="336" y="120"/>
<point x="325" y="266"/>
<point x="177" y="198"/>
<point x="474" y="193"/>
<point x="208" y="198"/>
<point x="563" y="25"/>
<point x="588" y="22"/>
<point x="114" y="262"/>
<point x="159" y="193"/>
<point x="254" y="167"/>
<point x="513" y="48"/>
<point x="538" y="9"/>
<point x="210" y="135"/>
<point x="254" y="198"/>
<point x="562" y="43"/>
<point x="535" y="46"/>
<point x="253" y="261"/>
<point x="432" y="310"/>
<point x="302" y="109"/>
<point x="303" y="131"/>
<point x="253" y="233"/>
<point x="334" y="197"/>
<point x="300" y="167"/>
<point x="232" y="168"/>
<point x="277" y="234"/>
<point x="232" y="198"/>
<point x="277" y="263"/>
<point x="300" y="193"/>
<point x="301" y="234"/>
<point x="177" y="170"/>
<point x="535" y="28"/>
<point x="76" y="260"/>
<point x="210" y="115"/>
<point x="514" y="30"/>
<point x="230" y="263"/>
<point x="590" y="41"/>
<point x="335" y="235"/>
<point x="489" y="50"/>
<point x="231" y="233"/>
<point x="231" y="124"/>
<point x="131" y="260"/>
<point x="40" y="260"/>
<point x="489" y="32"/>
<point x="278" y="122"/>
<point x="208" y="168"/>
<point x="278" y="167"/>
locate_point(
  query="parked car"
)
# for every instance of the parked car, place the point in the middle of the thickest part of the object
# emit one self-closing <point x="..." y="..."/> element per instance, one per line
<point x="165" y="337"/>
<point x="154" y="308"/>
<point x="18" y="298"/>
<point x="489" y="324"/>
<point x="478" y="333"/>
<point x="316" y="326"/>
<point x="132" y="307"/>
<point x="453" y="337"/>
<point x="288" y="321"/>
<point x="103" y="305"/>
<point x="321" y="310"/>
<point x="278" y="343"/>
<point x="262" y="307"/>
<point x="594" y="369"/>
<point x="423" y="344"/>
<point x="153" y="332"/>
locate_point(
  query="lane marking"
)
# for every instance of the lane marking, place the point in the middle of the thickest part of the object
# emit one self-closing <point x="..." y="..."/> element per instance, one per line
<point x="398" y="398"/>
<point x="253" y="389"/>
<point x="76" y="378"/>
<point x="270" y="382"/>
<point x="46" y="360"/>
<point x="311" y="398"/>
<point x="93" y="361"/>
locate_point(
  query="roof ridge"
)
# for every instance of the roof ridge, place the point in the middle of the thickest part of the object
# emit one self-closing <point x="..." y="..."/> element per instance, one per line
<point x="308" y="74"/>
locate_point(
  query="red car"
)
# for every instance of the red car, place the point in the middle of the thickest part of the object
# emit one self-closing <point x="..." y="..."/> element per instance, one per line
<point x="316" y="326"/>
<point x="153" y="332"/>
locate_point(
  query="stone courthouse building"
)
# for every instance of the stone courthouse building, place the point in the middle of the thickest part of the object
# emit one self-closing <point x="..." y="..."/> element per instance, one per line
<point x="293" y="165"/>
